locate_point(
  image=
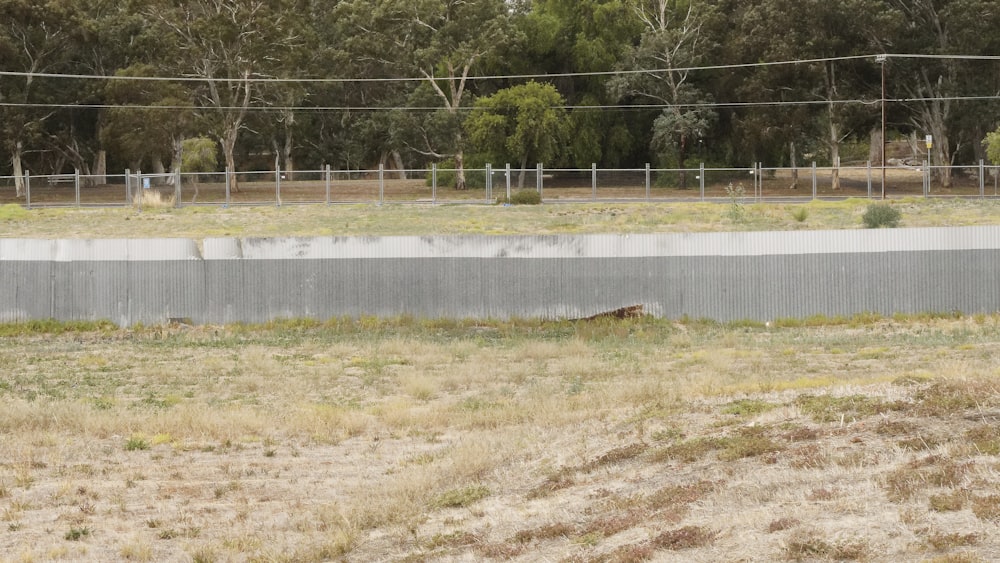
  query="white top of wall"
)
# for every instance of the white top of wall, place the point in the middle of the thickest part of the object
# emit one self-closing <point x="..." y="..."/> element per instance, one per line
<point x="470" y="246"/>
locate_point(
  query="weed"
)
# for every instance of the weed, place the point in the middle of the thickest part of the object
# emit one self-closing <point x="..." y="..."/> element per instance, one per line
<point x="943" y="542"/>
<point x="881" y="215"/>
<point x="458" y="498"/>
<point x="985" y="438"/>
<point x="800" y="214"/>
<point x="689" y="451"/>
<point x="748" y="407"/>
<point x="546" y="532"/>
<point x="737" y="210"/>
<point x="782" y="524"/>
<point x="136" y="442"/>
<point x="948" y="502"/>
<point x="688" y="537"/>
<point x="617" y="455"/>
<point x="987" y="508"/>
<point x="561" y="479"/>
<point x="808" y="546"/>
<point x="827" y="408"/>
<point x="77" y="534"/>
<point x="522" y="197"/>
<point x="749" y="442"/>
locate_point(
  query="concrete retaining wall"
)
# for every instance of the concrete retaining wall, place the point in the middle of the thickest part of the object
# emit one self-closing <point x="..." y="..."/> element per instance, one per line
<point x="723" y="276"/>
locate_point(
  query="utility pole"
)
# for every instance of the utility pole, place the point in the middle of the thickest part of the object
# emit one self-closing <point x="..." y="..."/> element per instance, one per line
<point x="881" y="60"/>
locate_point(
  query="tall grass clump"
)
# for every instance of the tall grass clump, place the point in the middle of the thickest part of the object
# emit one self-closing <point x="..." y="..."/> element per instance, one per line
<point x="881" y="215"/>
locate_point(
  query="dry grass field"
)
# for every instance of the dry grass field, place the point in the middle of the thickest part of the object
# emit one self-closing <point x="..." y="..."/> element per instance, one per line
<point x="863" y="439"/>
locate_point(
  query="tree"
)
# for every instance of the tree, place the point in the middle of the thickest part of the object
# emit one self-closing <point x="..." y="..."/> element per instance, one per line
<point x="35" y="37"/>
<point x="198" y="155"/>
<point x="227" y="44"/>
<point x="992" y="144"/>
<point x="518" y="123"/>
<point x="440" y="40"/>
<point x="659" y="74"/>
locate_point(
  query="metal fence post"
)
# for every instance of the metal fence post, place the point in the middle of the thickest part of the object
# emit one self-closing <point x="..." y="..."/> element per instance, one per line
<point x="927" y="178"/>
<point x="507" y="173"/>
<point x="868" y="165"/>
<point x="434" y="182"/>
<point x="489" y="182"/>
<point x="647" y="181"/>
<point x="538" y="178"/>
<point x="177" y="189"/>
<point x="76" y="185"/>
<point x="27" y="188"/>
<point x="381" y="183"/>
<point x="229" y="187"/>
<point x="814" y="178"/>
<point x="982" y="180"/>
<point x="128" y="187"/>
<point x="593" y="181"/>
<point x="180" y="186"/>
<point x="326" y="180"/>
<point x="701" y="180"/>
<point x="760" y="181"/>
<point x="138" y="190"/>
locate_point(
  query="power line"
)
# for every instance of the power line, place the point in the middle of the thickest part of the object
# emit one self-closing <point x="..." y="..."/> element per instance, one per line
<point x="705" y="105"/>
<point x="269" y="80"/>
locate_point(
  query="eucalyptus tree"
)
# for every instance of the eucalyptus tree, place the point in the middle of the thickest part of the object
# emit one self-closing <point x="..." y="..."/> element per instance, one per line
<point x="35" y="38"/>
<point x="228" y="46"/>
<point x="657" y="71"/>
<point x="441" y="41"/>
<point x="825" y="35"/>
<point x="943" y="32"/>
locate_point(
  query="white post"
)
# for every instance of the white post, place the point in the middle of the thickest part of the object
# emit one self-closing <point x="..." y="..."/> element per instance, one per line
<point x="593" y="181"/>
<point x="128" y="187"/>
<point x="229" y="187"/>
<point x="507" y="173"/>
<point x="27" y="188"/>
<point x="76" y="185"/>
<point x="327" y="180"/>
<point x="647" y="181"/>
<point x="982" y="181"/>
<point x="434" y="182"/>
<point x="277" y="182"/>
<point x="381" y="183"/>
<point x="814" y="178"/>
<point x="701" y="180"/>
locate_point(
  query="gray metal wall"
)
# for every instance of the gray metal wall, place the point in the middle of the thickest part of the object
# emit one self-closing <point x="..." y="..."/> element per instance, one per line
<point x="723" y="276"/>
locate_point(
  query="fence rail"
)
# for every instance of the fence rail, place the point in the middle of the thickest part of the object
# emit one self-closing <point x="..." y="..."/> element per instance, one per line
<point x="491" y="184"/>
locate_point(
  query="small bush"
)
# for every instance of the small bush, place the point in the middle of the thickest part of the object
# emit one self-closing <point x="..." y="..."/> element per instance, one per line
<point x="136" y="443"/>
<point x="458" y="498"/>
<point x="800" y="214"/>
<point x="879" y="215"/>
<point x="522" y="197"/>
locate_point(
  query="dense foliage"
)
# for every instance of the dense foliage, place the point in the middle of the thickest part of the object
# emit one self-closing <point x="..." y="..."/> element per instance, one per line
<point x="613" y="82"/>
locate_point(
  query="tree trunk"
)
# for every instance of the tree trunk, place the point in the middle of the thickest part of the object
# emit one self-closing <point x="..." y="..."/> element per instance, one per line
<point x="228" y="149"/>
<point x="795" y="166"/>
<point x="286" y="152"/>
<point x="400" y="167"/>
<point x="520" y="176"/>
<point x="834" y="151"/>
<point x="460" y="170"/>
<point x="876" y="148"/>
<point x="99" y="175"/>
<point x="159" y="170"/>
<point x="15" y="160"/>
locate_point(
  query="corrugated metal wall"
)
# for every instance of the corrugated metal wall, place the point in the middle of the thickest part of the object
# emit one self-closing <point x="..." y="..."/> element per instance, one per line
<point x="722" y="276"/>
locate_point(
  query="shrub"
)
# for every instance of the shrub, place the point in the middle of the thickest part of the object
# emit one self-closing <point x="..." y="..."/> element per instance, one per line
<point x="522" y="197"/>
<point x="475" y="175"/>
<point x="879" y="215"/>
<point x="800" y="214"/>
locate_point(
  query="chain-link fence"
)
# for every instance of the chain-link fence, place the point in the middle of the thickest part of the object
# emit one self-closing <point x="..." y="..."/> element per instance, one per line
<point x="491" y="184"/>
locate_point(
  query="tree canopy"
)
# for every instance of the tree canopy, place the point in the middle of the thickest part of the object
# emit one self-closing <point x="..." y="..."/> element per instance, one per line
<point x="110" y="85"/>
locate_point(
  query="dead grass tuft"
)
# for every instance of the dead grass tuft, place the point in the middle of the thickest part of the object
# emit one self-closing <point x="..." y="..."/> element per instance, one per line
<point x="809" y="546"/>
<point x="782" y="524"/>
<point x="945" y="542"/>
<point x="688" y="537"/>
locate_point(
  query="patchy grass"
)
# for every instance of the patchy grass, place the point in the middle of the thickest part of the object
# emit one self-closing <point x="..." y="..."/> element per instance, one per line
<point x="390" y="220"/>
<point x="632" y="440"/>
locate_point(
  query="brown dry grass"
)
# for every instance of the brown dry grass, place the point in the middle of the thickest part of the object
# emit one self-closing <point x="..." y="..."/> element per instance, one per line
<point x="370" y="220"/>
<point x="417" y="440"/>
